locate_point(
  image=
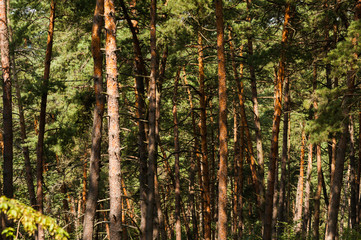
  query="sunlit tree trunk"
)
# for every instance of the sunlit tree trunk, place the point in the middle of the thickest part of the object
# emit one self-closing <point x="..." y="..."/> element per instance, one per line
<point x="299" y="195"/>
<point x="95" y="155"/>
<point x="178" y="230"/>
<point x="307" y="212"/>
<point x="204" y="148"/>
<point x="115" y="214"/>
<point x="42" y="119"/>
<point x="140" y="72"/>
<point x="223" y="149"/>
<point x="284" y="158"/>
<point x="267" y="231"/>
<point x="353" y="196"/>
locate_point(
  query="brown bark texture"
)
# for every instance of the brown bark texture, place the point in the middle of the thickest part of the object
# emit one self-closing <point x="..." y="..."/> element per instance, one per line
<point x="115" y="214"/>
<point x="27" y="163"/>
<point x="95" y="155"/>
<point x="178" y="230"/>
<point x="206" y="194"/>
<point x="42" y="118"/>
<point x="267" y="231"/>
<point x="152" y="121"/>
<point x="284" y="157"/>
<point x="257" y="123"/>
<point x="223" y="148"/>
<point x="307" y="212"/>
<point x="299" y="196"/>
<point x="7" y="105"/>
<point x="140" y="72"/>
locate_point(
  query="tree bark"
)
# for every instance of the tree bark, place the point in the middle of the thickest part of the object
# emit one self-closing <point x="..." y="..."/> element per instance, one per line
<point x="257" y="123"/>
<point x="95" y="155"/>
<point x="223" y="149"/>
<point x="299" y="196"/>
<point x="267" y="231"/>
<point x="307" y="212"/>
<point x="238" y="153"/>
<point x="152" y="121"/>
<point x="195" y="161"/>
<point x="115" y="214"/>
<point x="204" y="148"/>
<point x="284" y="158"/>
<point x="42" y="119"/>
<point x="335" y="193"/>
<point x="353" y="200"/>
<point x="178" y="230"/>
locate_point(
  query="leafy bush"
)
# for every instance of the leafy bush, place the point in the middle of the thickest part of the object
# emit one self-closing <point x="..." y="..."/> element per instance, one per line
<point x="30" y="218"/>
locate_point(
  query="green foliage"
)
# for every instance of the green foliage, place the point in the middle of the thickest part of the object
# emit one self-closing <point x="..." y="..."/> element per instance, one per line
<point x="29" y="218"/>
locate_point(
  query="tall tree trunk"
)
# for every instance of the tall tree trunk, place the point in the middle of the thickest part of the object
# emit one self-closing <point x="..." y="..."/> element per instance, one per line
<point x="178" y="230"/>
<point x="95" y="155"/>
<point x="8" y="188"/>
<point x="195" y="160"/>
<point x="307" y="212"/>
<point x="27" y="163"/>
<point x="42" y="119"/>
<point x="152" y="121"/>
<point x="317" y="197"/>
<point x="267" y="231"/>
<point x="115" y="214"/>
<point x="257" y="123"/>
<point x="223" y="149"/>
<point x="353" y="200"/>
<point x="203" y="130"/>
<point x="359" y="172"/>
<point x="299" y="196"/>
<point x="140" y="72"/>
<point x="238" y="153"/>
<point x="335" y="193"/>
<point x="284" y="158"/>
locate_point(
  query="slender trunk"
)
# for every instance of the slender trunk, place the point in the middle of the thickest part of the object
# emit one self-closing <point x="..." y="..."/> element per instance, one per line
<point x="27" y="163"/>
<point x="204" y="166"/>
<point x="44" y="96"/>
<point x="235" y="173"/>
<point x="95" y="155"/>
<point x="238" y="156"/>
<point x="257" y="123"/>
<point x="299" y="197"/>
<point x="359" y="171"/>
<point x="178" y="230"/>
<point x="317" y="197"/>
<point x="152" y="121"/>
<point x="115" y="214"/>
<point x="158" y="205"/>
<point x="223" y="149"/>
<point x="267" y="231"/>
<point x="335" y="193"/>
<point x="249" y="147"/>
<point x="140" y="72"/>
<point x="195" y="160"/>
<point x="7" y="103"/>
<point x="284" y="158"/>
<point x="307" y="212"/>
<point x="353" y="200"/>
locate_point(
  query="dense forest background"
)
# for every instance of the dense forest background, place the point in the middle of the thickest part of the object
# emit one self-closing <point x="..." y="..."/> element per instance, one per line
<point x="181" y="119"/>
